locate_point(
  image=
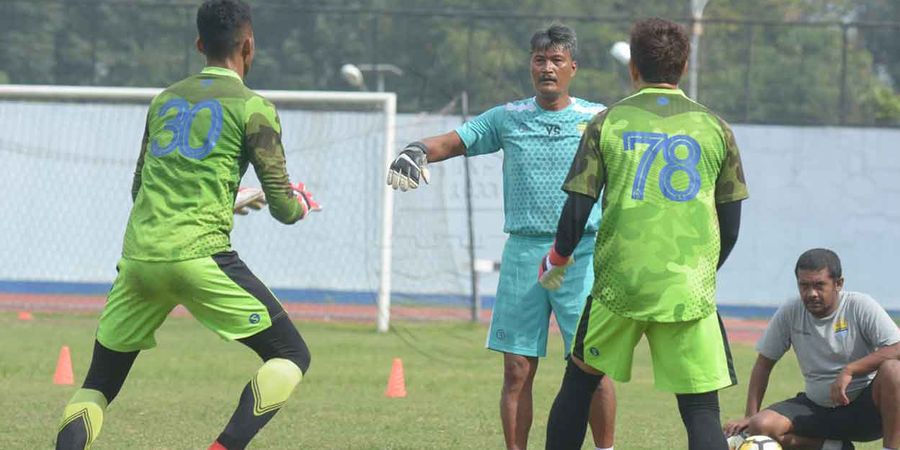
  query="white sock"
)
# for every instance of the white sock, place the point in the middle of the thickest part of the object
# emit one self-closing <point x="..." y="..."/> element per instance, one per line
<point x="885" y="448"/>
<point x="604" y="448"/>
<point x="831" y="444"/>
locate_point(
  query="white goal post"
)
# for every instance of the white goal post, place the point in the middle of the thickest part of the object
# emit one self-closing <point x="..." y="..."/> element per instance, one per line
<point x="384" y="101"/>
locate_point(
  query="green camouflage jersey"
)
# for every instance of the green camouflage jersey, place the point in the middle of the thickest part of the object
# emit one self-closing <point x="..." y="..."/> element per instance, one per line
<point x="200" y="135"/>
<point x="662" y="163"/>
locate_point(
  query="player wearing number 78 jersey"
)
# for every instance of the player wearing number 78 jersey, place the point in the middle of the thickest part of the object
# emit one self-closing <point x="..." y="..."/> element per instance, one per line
<point x="671" y="181"/>
<point x="202" y="134"/>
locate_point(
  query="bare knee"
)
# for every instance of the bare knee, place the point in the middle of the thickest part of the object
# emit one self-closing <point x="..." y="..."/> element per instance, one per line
<point x="517" y="371"/>
<point x="606" y="386"/>
<point x="769" y="423"/>
<point x="886" y="385"/>
<point x="890" y="371"/>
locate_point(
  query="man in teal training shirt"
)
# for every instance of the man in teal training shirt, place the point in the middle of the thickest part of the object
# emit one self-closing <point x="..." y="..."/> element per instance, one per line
<point x="539" y="136"/>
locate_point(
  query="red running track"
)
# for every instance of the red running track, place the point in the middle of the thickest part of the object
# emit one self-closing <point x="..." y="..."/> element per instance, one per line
<point x="739" y="330"/>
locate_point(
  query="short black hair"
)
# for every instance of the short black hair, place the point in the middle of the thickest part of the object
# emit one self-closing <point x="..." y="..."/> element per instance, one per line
<point x="817" y="259"/>
<point x="659" y="49"/>
<point x="556" y="36"/>
<point x="219" y="24"/>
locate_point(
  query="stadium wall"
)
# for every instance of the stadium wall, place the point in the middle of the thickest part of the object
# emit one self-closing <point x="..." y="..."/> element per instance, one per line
<point x="67" y="177"/>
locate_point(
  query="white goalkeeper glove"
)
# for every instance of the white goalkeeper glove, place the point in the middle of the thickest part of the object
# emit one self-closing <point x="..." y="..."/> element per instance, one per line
<point x="249" y="198"/>
<point x="553" y="269"/>
<point x="304" y="197"/>
<point x="409" y="168"/>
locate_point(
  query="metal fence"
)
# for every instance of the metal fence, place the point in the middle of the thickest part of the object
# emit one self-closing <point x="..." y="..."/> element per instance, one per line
<point x="770" y="72"/>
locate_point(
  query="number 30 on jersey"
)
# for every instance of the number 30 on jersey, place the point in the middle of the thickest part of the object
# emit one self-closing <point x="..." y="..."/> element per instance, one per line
<point x="180" y="126"/>
<point x="668" y="145"/>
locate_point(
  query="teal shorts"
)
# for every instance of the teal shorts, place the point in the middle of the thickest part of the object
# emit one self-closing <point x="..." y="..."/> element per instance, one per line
<point x="218" y="290"/>
<point x="521" y="315"/>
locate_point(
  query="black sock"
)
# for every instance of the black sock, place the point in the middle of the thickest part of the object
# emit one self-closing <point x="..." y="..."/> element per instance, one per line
<point x="700" y="414"/>
<point x="244" y="424"/>
<point x="569" y="416"/>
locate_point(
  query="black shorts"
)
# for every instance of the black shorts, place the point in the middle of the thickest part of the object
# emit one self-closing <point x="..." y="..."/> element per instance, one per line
<point x="859" y="421"/>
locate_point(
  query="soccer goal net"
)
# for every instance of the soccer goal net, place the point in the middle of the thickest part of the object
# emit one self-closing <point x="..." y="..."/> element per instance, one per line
<point x="69" y="153"/>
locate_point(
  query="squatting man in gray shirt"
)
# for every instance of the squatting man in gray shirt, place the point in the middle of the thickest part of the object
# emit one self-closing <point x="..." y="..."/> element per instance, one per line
<point x="848" y="349"/>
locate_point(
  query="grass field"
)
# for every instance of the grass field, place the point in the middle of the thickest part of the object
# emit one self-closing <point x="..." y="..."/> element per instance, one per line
<point x="180" y="394"/>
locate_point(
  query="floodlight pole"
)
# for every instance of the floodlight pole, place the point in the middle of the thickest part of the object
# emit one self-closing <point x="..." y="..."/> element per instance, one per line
<point x="697" y="7"/>
<point x="381" y="69"/>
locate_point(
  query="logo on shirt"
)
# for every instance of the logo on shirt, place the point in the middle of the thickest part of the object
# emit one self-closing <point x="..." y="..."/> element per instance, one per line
<point x="840" y="327"/>
<point x="553" y="129"/>
<point x="500" y="334"/>
<point x="254" y="318"/>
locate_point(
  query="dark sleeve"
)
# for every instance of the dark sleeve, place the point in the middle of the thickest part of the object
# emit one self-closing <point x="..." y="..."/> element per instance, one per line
<point x="730" y="185"/>
<point x="262" y="144"/>
<point x="572" y="221"/>
<point x="729" y="225"/>
<point x="587" y="175"/>
<point x="136" y="182"/>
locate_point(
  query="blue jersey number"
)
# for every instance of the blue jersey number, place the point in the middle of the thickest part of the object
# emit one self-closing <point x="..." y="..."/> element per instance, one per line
<point x="180" y="126"/>
<point x="668" y="145"/>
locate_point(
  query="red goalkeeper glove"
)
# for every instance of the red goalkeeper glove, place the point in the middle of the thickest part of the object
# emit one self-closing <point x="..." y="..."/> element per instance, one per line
<point x="304" y="197"/>
<point x="553" y="269"/>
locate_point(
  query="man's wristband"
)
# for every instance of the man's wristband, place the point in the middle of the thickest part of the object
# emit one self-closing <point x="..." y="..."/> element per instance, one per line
<point x="419" y="145"/>
<point x="555" y="258"/>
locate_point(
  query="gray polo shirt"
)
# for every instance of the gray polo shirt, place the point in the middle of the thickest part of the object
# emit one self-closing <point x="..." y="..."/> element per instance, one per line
<point x="824" y="346"/>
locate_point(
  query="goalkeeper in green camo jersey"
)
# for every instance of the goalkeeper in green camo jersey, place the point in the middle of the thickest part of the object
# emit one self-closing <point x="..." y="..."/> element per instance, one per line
<point x="539" y="136"/>
<point x="672" y="184"/>
<point x="200" y="136"/>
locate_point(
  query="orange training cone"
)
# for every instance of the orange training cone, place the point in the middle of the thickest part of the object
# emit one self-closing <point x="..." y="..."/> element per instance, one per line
<point x="396" y="387"/>
<point x="63" y="373"/>
<point x="25" y="315"/>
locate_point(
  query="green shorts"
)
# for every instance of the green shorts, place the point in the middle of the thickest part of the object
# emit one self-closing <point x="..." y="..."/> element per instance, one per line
<point x="688" y="357"/>
<point x="521" y="316"/>
<point x="219" y="291"/>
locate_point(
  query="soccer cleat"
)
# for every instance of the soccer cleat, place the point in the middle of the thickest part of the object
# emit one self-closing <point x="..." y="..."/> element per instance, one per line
<point x="217" y="446"/>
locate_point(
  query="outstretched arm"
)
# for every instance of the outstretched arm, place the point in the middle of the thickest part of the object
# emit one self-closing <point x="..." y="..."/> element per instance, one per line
<point x="410" y="169"/>
<point x="759" y="382"/>
<point x="444" y="146"/>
